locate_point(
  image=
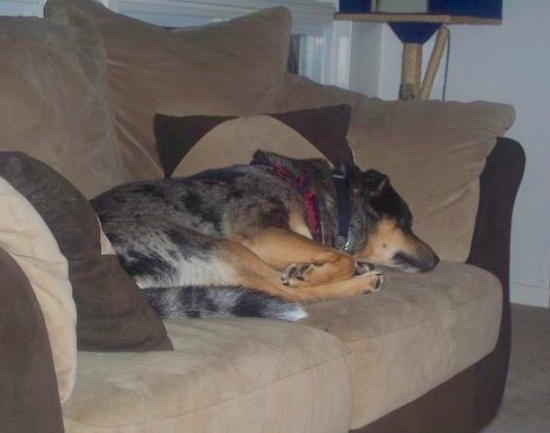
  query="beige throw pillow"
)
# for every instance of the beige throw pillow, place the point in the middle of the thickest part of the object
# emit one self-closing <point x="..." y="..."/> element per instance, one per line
<point x="28" y="240"/>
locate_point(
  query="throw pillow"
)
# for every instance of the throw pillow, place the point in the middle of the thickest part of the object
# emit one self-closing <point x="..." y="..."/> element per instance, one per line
<point x="190" y="144"/>
<point x="55" y="104"/>
<point x="223" y="68"/>
<point x="112" y="314"/>
<point x="29" y="242"/>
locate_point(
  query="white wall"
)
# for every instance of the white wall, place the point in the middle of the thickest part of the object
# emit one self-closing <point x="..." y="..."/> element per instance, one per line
<point x="510" y="64"/>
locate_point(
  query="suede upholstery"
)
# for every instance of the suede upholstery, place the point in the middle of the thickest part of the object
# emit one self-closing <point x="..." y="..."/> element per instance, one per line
<point x="187" y="145"/>
<point x="112" y="315"/>
<point x="189" y="81"/>
<point x="26" y="238"/>
<point x="55" y="105"/>
<point x="27" y="362"/>
<point x="426" y="355"/>
<point x="229" y="375"/>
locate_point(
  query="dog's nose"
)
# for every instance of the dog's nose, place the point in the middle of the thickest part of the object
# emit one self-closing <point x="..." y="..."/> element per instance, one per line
<point x="423" y="259"/>
<point x="428" y="260"/>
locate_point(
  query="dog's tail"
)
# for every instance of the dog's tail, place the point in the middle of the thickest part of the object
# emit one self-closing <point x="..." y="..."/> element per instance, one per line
<point x="221" y="302"/>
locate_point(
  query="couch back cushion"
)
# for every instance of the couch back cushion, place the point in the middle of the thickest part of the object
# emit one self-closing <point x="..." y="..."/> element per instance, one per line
<point x="432" y="151"/>
<point x="54" y="103"/>
<point x="224" y="68"/>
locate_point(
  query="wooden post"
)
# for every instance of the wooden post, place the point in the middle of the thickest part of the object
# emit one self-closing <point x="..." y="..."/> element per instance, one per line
<point x="411" y="71"/>
<point x="435" y="60"/>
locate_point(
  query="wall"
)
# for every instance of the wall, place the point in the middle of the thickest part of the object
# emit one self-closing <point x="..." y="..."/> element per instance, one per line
<point x="510" y="64"/>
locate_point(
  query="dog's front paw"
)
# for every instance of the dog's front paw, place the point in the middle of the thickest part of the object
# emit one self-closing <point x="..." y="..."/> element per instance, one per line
<point x="296" y="274"/>
<point x="363" y="268"/>
<point x="375" y="279"/>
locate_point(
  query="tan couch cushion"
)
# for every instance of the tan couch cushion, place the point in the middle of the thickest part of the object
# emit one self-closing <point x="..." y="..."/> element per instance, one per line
<point x="28" y="240"/>
<point x="421" y="330"/>
<point x="54" y="103"/>
<point x="433" y="152"/>
<point x="225" y="68"/>
<point x="226" y="375"/>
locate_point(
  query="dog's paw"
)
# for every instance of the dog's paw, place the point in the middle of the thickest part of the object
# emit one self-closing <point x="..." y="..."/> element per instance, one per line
<point x="296" y="274"/>
<point x="375" y="280"/>
<point x="363" y="268"/>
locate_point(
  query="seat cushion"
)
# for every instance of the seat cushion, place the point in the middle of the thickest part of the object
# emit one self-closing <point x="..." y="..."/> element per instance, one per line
<point x="225" y="375"/>
<point x="419" y="331"/>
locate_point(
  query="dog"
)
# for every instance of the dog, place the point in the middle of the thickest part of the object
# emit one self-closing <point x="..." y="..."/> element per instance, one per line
<point x="260" y="239"/>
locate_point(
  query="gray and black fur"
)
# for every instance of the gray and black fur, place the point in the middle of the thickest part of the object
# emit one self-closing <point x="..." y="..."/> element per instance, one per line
<point x="170" y="234"/>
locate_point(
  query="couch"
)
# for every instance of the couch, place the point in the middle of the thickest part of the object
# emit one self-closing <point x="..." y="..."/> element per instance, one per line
<point x="92" y="99"/>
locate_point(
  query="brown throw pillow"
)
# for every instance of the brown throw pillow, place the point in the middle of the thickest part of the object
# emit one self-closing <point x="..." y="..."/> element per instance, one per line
<point x="112" y="314"/>
<point x="222" y="68"/>
<point x="193" y="143"/>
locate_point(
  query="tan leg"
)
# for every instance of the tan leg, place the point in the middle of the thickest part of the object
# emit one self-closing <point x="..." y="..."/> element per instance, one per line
<point x="251" y="271"/>
<point x="301" y="260"/>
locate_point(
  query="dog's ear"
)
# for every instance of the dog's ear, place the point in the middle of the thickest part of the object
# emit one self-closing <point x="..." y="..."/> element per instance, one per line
<point x="375" y="182"/>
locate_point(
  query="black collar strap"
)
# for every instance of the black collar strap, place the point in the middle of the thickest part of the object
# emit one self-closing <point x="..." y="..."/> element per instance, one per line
<point x="340" y="178"/>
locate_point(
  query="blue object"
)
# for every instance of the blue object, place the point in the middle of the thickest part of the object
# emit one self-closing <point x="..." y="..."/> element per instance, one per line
<point x="354" y="6"/>
<point x="414" y="33"/>
<point x="472" y="8"/>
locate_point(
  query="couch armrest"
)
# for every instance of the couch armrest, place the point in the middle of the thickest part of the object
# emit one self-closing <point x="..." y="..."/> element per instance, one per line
<point x="499" y="183"/>
<point x="29" y="400"/>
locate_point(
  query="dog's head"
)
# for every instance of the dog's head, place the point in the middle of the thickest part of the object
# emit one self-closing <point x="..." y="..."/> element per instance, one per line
<point x="390" y="240"/>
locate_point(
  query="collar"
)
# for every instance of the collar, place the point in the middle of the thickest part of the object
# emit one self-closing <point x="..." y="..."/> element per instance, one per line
<point x="309" y="197"/>
<point x="342" y="240"/>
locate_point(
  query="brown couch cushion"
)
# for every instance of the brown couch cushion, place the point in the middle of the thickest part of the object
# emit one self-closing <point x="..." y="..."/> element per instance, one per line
<point x="218" y="141"/>
<point x="54" y="103"/>
<point x="27" y="373"/>
<point x="112" y="314"/>
<point x="221" y="69"/>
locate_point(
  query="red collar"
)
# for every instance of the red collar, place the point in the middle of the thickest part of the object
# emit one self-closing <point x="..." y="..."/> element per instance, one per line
<point x="309" y="197"/>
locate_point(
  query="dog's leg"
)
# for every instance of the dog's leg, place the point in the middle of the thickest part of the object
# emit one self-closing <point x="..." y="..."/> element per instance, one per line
<point x="251" y="271"/>
<point x="301" y="260"/>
